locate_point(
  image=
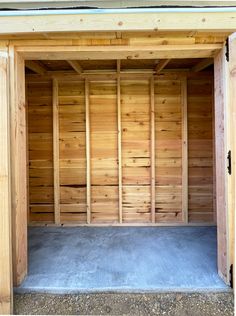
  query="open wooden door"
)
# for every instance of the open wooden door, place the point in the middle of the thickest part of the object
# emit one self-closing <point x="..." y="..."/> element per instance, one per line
<point x="225" y="87"/>
<point x="232" y="144"/>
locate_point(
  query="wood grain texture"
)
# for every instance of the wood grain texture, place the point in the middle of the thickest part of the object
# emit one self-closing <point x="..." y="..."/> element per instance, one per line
<point x="135" y="113"/>
<point x="40" y="146"/>
<point x="152" y="149"/>
<point x="184" y="95"/>
<point x="74" y="126"/>
<point x="56" y="156"/>
<point x="104" y="151"/>
<point x="139" y="176"/>
<point x="200" y="150"/>
<point x="5" y="191"/>
<point x="119" y="127"/>
<point x="18" y="166"/>
<point x="221" y="103"/>
<point x="232" y="145"/>
<point x="168" y="150"/>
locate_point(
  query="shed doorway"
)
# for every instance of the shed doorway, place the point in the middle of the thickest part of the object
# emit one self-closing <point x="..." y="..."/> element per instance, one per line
<point x="121" y="147"/>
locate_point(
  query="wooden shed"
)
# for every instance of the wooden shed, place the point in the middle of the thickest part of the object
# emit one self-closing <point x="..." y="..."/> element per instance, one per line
<point x="115" y="117"/>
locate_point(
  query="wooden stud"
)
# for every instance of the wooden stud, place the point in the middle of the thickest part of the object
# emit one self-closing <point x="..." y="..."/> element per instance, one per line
<point x="213" y="156"/>
<point x="88" y="168"/>
<point x="118" y="66"/>
<point x="27" y="146"/>
<point x="203" y="64"/>
<point x="152" y="149"/>
<point x="18" y="166"/>
<point x="36" y="66"/>
<point x="76" y="66"/>
<point x="56" y="176"/>
<point x="161" y="65"/>
<point x="119" y="151"/>
<point x="5" y="191"/>
<point x="184" y="150"/>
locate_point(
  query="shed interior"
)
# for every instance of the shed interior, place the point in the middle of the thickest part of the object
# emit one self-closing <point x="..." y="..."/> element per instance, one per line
<point x="121" y="143"/>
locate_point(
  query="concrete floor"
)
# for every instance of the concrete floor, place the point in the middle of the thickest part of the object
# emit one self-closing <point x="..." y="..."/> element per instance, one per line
<point x="122" y="259"/>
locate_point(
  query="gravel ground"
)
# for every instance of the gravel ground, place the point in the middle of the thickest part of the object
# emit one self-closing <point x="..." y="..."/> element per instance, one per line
<point x="168" y="304"/>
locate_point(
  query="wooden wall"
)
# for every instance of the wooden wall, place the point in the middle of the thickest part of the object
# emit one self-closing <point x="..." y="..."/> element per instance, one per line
<point x="97" y="187"/>
<point x="200" y="150"/>
<point x="72" y="151"/>
<point x="135" y="144"/>
<point x="40" y="145"/>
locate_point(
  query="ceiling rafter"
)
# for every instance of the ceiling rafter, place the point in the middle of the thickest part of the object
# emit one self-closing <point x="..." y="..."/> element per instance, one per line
<point x="36" y="66"/>
<point x="76" y="66"/>
<point x="203" y="64"/>
<point x="161" y="65"/>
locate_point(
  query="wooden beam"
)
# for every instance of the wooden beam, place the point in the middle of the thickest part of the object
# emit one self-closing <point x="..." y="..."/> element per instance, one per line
<point x="119" y="52"/>
<point x="71" y="76"/>
<point x="5" y="191"/>
<point x="184" y="149"/>
<point x="213" y="155"/>
<point x="203" y="64"/>
<point x="76" y="66"/>
<point x="161" y="65"/>
<point x="56" y="176"/>
<point x="27" y="148"/>
<point x="119" y="151"/>
<point x="119" y="21"/>
<point x="88" y="168"/>
<point x="36" y="67"/>
<point x="221" y="104"/>
<point x="152" y="150"/>
<point x="18" y="166"/>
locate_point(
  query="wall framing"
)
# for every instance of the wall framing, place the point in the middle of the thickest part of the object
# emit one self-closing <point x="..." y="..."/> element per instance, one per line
<point x="18" y="142"/>
<point x="151" y="106"/>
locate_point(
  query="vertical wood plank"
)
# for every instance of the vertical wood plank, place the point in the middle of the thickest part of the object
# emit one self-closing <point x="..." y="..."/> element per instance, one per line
<point x="221" y="100"/>
<point x="18" y="166"/>
<point x="27" y="146"/>
<point x="184" y="149"/>
<point x="213" y="156"/>
<point x="5" y="191"/>
<point x="56" y="176"/>
<point x="119" y="151"/>
<point x="231" y="123"/>
<point x="152" y="149"/>
<point x="88" y="167"/>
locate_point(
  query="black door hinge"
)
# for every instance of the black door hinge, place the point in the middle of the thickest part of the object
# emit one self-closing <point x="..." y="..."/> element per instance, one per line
<point x="227" y="49"/>
<point x="229" y="162"/>
<point x="231" y="276"/>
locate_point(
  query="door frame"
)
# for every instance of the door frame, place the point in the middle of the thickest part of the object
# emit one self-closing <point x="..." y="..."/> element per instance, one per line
<point x="18" y="208"/>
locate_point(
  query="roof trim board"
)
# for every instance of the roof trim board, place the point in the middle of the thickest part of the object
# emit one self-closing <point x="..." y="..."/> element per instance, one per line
<point x="199" y="19"/>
